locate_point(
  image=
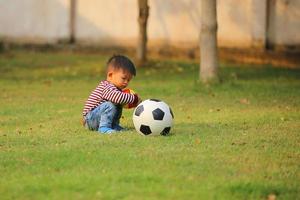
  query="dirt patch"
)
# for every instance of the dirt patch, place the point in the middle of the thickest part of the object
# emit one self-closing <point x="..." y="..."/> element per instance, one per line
<point x="287" y="59"/>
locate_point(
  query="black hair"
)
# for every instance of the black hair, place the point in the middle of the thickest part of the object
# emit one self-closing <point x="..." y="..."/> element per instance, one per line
<point x="121" y="62"/>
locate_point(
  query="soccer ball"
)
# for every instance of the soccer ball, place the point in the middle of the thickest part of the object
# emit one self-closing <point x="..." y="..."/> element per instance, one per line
<point x="153" y="117"/>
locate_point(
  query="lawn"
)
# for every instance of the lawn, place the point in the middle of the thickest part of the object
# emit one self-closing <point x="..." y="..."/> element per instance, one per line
<point x="236" y="140"/>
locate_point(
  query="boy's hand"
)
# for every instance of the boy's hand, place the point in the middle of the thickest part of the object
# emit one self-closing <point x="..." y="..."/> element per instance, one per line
<point x="132" y="105"/>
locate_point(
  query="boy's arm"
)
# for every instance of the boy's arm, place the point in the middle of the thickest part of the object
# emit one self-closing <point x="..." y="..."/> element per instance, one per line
<point x="116" y="96"/>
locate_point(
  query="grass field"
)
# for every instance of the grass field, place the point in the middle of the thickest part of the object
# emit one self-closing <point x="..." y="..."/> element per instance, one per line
<point x="236" y="140"/>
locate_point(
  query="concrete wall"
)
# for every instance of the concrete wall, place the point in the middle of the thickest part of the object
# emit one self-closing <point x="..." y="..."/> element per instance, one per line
<point x="106" y="21"/>
<point x="170" y="22"/>
<point x="246" y="23"/>
<point x="284" y="22"/>
<point x="34" y="20"/>
<point x="235" y="23"/>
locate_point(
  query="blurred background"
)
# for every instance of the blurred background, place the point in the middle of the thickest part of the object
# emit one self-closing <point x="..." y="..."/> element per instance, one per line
<point x="259" y="31"/>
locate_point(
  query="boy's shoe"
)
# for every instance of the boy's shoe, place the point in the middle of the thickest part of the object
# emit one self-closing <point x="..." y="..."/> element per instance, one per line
<point x="117" y="127"/>
<point x="107" y="130"/>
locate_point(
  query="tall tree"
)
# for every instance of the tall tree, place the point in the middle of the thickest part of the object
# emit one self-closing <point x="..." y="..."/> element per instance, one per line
<point x="208" y="42"/>
<point x="142" y="38"/>
<point x="72" y="20"/>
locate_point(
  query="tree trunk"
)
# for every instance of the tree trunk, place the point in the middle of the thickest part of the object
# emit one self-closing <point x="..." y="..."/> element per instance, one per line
<point x="208" y="42"/>
<point x="142" y="38"/>
<point x="72" y="20"/>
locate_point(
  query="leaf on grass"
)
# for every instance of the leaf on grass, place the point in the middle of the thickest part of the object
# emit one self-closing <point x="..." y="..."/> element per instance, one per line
<point x="47" y="83"/>
<point x="271" y="197"/>
<point x="197" y="141"/>
<point x="282" y="119"/>
<point x="212" y="110"/>
<point x="239" y="143"/>
<point x="244" y="101"/>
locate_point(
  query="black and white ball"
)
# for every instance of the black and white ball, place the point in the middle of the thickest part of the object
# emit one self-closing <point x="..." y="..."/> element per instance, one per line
<point x="153" y="117"/>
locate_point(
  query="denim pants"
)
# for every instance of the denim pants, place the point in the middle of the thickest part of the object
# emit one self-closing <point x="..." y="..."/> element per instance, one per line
<point x="106" y="114"/>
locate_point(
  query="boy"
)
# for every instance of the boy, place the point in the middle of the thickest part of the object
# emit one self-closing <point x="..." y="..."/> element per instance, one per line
<point x="103" y="108"/>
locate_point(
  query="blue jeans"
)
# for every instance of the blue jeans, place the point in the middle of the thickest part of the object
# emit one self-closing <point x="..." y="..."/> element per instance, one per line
<point x="106" y="114"/>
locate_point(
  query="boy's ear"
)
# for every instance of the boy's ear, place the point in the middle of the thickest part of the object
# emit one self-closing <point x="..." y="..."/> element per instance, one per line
<point x="109" y="74"/>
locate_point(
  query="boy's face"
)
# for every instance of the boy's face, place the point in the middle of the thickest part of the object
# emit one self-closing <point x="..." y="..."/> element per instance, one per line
<point x="120" y="78"/>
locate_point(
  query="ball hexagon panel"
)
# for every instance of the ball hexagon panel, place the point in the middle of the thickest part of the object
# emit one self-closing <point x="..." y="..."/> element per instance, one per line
<point x="158" y="114"/>
<point x="145" y="129"/>
<point x="166" y="131"/>
<point x="139" y="110"/>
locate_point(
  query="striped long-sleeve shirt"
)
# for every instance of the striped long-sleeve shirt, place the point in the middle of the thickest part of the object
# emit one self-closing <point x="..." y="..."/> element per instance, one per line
<point x="106" y="91"/>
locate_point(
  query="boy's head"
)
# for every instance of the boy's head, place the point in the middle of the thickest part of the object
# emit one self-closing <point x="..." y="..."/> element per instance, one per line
<point x="120" y="71"/>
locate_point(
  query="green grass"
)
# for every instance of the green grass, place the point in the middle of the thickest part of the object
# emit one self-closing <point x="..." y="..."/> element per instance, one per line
<point x="236" y="140"/>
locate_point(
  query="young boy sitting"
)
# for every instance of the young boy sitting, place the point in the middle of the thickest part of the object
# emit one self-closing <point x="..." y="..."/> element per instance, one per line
<point x="103" y="109"/>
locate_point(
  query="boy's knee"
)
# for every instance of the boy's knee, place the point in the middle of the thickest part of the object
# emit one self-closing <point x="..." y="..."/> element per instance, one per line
<point x="109" y="106"/>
